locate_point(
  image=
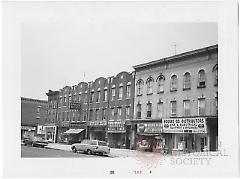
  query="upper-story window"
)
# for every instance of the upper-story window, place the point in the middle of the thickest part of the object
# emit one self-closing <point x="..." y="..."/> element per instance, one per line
<point x="97" y="114"/>
<point x="128" y="91"/>
<point x="215" y="71"/>
<point x="120" y="95"/>
<point x="201" y="79"/>
<point x="70" y="98"/>
<point x="186" y="81"/>
<point x="105" y="95"/>
<point x="104" y="113"/>
<point x="98" y="96"/>
<point x="173" y="108"/>
<point x="149" y="83"/>
<point x="186" y="107"/>
<point x="79" y="97"/>
<point x="127" y="111"/>
<point x="91" y="97"/>
<point x="113" y="93"/>
<point x="149" y="109"/>
<point x="139" y="110"/>
<point x="85" y="98"/>
<point x="90" y="115"/>
<point x="173" y="84"/>
<point x="38" y="109"/>
<point x="119" y="112"/>
<point x="160" y="81"/>
<point x="139" y="85"/>
<point x="65" y="101"/>
<point x="160" y="109"/>
<point x="112" y="112"/>
<point x="201" y="107"/>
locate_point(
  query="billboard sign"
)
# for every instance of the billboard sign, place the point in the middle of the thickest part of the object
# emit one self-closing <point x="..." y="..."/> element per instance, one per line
<point x="184" y="125"/>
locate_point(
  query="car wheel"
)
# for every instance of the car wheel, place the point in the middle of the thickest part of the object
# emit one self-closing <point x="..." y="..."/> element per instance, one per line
<point x="89" y="152"/>
<point x="74" y="149"/>
<point x="100" y="153"/>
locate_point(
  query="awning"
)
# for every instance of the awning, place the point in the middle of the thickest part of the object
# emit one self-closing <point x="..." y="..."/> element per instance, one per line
<point x="74" y="131"/>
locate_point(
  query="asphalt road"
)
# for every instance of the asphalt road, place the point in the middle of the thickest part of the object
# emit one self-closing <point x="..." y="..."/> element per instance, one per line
<point x="36" y="152"/>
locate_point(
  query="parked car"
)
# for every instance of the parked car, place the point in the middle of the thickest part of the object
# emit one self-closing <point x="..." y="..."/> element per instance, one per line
<point x="35" y="142"/>
<point x="144" y="145"/>
<point x="91" y="147"/>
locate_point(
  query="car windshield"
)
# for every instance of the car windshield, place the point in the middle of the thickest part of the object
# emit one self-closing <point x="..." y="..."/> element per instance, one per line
<point x="85" y="142"/>
<point x="102" y="143"/>
<point x="93" y="142"/>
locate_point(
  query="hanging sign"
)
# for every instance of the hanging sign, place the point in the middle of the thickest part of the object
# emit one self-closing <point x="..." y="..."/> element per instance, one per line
<point x="184" y="125"/>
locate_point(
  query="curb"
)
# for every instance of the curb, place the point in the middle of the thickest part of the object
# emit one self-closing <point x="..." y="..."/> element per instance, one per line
<point x="57" y="149"/>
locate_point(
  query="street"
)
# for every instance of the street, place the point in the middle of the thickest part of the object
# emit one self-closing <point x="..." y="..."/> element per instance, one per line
<point x="35" y="152"/>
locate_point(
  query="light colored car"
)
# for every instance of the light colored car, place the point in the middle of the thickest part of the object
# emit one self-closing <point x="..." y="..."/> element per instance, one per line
<point x="92" y="147"/>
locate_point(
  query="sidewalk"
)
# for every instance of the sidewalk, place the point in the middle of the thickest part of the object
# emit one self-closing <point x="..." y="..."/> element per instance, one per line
<point x="113" y="152"/>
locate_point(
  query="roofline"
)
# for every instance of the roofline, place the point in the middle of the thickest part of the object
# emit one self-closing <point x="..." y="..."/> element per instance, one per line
<point x="185" y="54"/>
<point x="34" y="100"/>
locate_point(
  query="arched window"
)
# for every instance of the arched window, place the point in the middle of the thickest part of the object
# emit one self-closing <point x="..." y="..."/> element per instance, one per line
<point x="160" y="81"/>
<point x="139" y="84"/>
<point x="201" y="79"/>
<point x="160" y="109"/>
<point x="173" y="84"/>
<point x="215" y="71"/>
<point x="150" y="85"/>
<point x="149" y="109"/>
<point x="186" y="81"/>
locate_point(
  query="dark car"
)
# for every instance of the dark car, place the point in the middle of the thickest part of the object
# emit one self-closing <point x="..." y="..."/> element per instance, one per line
<point x="35" y="142"/>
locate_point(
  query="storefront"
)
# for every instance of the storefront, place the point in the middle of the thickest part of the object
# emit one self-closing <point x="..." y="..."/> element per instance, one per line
<point x="50" y="133"/>
<point x="75" y="133"/>
<point x="186" y="134"/>
<point x="27" y="131"/>
<point x="149" y="137"/>
<point x="116" y="132"/>
<point x="97" y="130"/>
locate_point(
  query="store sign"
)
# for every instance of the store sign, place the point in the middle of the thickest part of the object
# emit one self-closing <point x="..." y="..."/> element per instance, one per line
<point x="29" y="128"/>
<point x="75" y="105"/>
<point x="116" y="126"/>
<point x="97" y="123"/>
<point x="184" y="125"/>
<point x="150" y="127"/>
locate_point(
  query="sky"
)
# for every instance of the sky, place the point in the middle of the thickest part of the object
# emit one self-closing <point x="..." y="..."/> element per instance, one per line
<point x="54" y="55"/>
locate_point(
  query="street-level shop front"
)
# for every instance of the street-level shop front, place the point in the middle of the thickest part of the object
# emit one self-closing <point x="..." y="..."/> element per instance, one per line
<point x="76" y="132"/>
<point x="186" y="134"/>
<point x="27" y="131"/>
<point x="97" y="130"/>
<point x="116" y="132"/>
<point x="50" y="133"/>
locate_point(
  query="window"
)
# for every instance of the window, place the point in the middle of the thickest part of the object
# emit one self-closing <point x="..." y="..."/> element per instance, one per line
<point x="98" y="96"/>
<point x="90" y="115"/>
<point x="186" y="107"/>
<point x="74" y="98"/>
<point x="91" y="97"/>
<point x="120" y="95"/>
<point x="63" y="116"/>
<point x="38" y="109"/>
<point x="160" y="109"/>
<point x="161" y="85"/>
<point x="201" y="79"/>
<point x="79" y="98"/>
<point x="85" y="98"/>
<point x="73" y="116"/>
<point x="215" y="70"/>
<point x="105" y="95"/>
<point x="186" y="81"/>
<point x="173" y="108"/>
<point x="173" y="84"/>
<point x="67" y="116"/>
<point x="112" y="112"/>
<point x="201" y="107"/>
<point x="85" y="116"/>
<point x="65" y="100"/>
<point x="70" y="98"/>
<point x="128" y="91"/>
<point x="139" y="87"/>
<point x="104" y="114"/>
<point x="150" y="85"/>
<point x="113" y="93"/>
<point x="97" y="114"/>
<point x="119" y="112"/>
<point x="149" y="109"/>
<point x="139" y="110"/>
<point x="127" y="111"/>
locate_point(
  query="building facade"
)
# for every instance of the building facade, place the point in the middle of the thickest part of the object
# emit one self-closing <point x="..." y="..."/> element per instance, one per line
<point x="33" y="116"/>
<point x="176" y="102"/>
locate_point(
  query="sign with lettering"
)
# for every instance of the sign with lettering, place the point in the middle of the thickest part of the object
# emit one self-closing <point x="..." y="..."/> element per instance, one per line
<point x="116" y="126"/>
<point x="184" y="125"/>
<point x="97" y="123"/>
<point x="149" y="127"/>
<point x="75" y="105"/>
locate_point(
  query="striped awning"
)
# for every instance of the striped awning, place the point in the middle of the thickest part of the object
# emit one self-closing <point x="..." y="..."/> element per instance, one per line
<point x="74" y="131"/>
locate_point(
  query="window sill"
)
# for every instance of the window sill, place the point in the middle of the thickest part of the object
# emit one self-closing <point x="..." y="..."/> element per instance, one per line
<point x="139" y="95"/>
<point x="148" y="117"/>
<point x="149" y="93"/>
<point x="173" y="90"/>
<point x="185" y="89"/>
<point x="160" y="92"/>
<point x="173" y="115"/>
<point x="202" y="86"/>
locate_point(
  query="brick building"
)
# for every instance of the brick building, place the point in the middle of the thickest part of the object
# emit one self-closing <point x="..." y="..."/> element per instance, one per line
<point x="33" y="115"/>
<point x="176" y="102"/>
